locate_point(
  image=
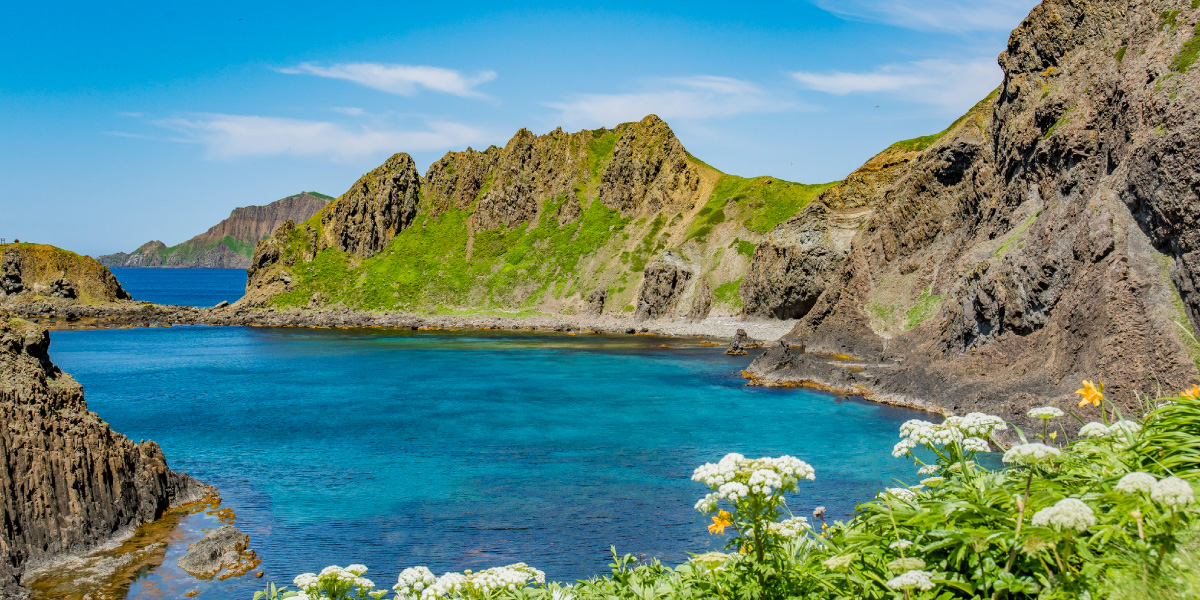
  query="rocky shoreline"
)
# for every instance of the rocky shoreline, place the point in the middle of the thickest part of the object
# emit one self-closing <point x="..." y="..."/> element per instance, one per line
<point x="55" y="313"/>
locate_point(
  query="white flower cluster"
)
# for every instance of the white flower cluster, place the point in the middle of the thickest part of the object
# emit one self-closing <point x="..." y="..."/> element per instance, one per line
<point x="309" y="584"/>
<point x="971" y="431"/>
<point x="1172" y="491"/>
<point x="900" y="544"/>
<point x="1028" y="454"/>
<point x="912" y="580"/>
<point x="1100" y="430"/>
<point x="418" y="583"/>
<point x="898" y="492"/>
<point x="789" y="528"/>
<point x="735" y="477"/>
<point x="1046" y="413"/>
<point x="1094" y="430"/>
<point x="1136" y="483"/>
<point x="1068" y="513"/>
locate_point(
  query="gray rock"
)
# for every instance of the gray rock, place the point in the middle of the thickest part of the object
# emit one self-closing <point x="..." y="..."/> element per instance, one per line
<point x="663" y="282"/>
<point x="219" y="549"/>
<point x="596" y="301"/>
<point x="10" y="273"/>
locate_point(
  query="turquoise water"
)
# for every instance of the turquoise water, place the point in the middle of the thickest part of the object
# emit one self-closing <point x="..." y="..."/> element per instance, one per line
<point x="461" y="450"/>
<point x="183" y="287"/>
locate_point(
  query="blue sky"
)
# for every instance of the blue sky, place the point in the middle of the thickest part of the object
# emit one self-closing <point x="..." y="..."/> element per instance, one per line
<point x="122" y="124"/>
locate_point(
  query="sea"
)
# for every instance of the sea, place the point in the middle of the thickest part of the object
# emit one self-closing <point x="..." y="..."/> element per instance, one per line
<point x="458" y="449"/>
<point x="183" y="287"/>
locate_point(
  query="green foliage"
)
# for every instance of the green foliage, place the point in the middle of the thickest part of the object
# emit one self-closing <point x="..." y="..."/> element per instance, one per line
<point x="926" y="307"/>
<point x="1016" y="234"/>
<point x="727" y="293"/>
<point x="1168" y="18"/>
<point x="1120" y="55"/>
<point x="762" y="202"/>
<point x="1186" y="57"/>
<point x="1063" y="120"/>
<point x="743" y="247"/>
<point x="600" y="149"/>
<point x="319" y="195"/>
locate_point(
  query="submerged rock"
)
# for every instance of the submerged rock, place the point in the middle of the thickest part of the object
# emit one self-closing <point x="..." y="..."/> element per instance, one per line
<point x="224" y="548"/>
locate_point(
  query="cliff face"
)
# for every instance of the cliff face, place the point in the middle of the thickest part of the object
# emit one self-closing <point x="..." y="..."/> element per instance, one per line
<point x="560" y="223"/>
<point x="67" y="481"/>
<point x="1053" y="240"/>
<point x="30" y="270"/>
<point x="226" y="245"/>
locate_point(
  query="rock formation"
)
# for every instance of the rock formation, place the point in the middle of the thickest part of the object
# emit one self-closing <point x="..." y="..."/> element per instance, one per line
<point x="67" y="481"/>
<point x="1051" y="240"/>
<point x="662" y="285"/>
<point x="542" y="222"/>
<point x="222" y="553"/>
<point x="226" y="245"/>
<point x="31" y="270"/>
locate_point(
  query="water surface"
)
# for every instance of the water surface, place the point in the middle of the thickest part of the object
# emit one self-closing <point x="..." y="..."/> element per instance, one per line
<point x="183" y="287"/>
<point x="461" y="450"/>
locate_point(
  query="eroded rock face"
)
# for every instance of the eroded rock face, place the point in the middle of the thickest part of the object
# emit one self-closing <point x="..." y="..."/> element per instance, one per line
<point x="67" y="481"/>
<point x="221" y="553"/>
<point x="380" y="204"/>
<point x="596" y="301"/>
<point x="40" y="269"/>
<point x="10" y="273"/>
<point x="1044" y="243"/>
<point x="663" y="283"/>
<point x="649" y="171"/>
<point x="802" y="255"/>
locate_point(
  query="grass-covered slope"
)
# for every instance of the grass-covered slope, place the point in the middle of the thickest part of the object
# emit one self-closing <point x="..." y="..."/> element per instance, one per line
<point x="30" y="271"/>
<point x="538" y="226"/>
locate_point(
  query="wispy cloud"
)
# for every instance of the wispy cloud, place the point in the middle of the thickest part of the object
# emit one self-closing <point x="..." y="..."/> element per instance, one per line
<point x="699" y="97"/>
<point x="953" y="86"/>
<point x="404" y="80"/>
<point x="958" y="16"/>
<point x="237" y="136"/>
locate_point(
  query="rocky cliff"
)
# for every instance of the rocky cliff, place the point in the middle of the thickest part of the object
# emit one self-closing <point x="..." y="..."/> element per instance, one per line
<point x="1051" y="237"/>
<point x="28" y="271"/>
<point x="67" y="481"/>
<point x="560" y="223"/>
<point x="226" y="245"/>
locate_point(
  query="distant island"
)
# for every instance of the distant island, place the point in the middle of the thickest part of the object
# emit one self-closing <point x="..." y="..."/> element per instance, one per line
<point x="226" y="245"/>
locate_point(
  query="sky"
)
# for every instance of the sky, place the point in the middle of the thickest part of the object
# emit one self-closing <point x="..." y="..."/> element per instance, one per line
<point x="126" y="122"/>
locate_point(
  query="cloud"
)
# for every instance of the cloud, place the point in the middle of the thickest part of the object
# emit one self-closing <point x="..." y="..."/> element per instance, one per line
<point x="403" y="80"/>
<point x="957" y="16"/>
<point x="238" y="136"/>
<point x="697" y="98"/>
<point x="953" y="86"/>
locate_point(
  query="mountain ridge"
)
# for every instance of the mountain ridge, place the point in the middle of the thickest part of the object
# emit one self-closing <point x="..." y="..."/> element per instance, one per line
<point x="229" y="244"/>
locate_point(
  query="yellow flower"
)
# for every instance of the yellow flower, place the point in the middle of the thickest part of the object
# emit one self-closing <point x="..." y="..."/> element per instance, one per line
<point x="1192" y="394"/>
<point x="1091" y="392"/>
<point x="720" y="522"/>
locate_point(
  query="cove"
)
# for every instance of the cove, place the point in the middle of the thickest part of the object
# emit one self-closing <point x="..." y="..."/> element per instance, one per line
<point x="462" y="449"/>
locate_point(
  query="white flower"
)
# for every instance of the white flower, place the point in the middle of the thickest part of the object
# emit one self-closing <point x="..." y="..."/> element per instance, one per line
<point x="903" y="447"/>
<point x="1125" y="427"/>
<point x="927" y="470"/>
<point x="1028" y="454"/>
<point x="1046" y="413"/>
<point x="413" y="581"/>
<point x="900" y="544"/>
<point x="901" y="493"/>
<point x="789" y="528"/>
<point x="974" y="444"/>
<point x="905" y="564"/>
<point x="1094" y="430"/>
<point x="356" y="569"/>
<point x="1136" y="482"/>
<point x="981" y="425"/>
<point x="1172" y="491"/>
<point x="839" y="562"/>
<point x="912" y="580"/>
<point x="735" y="477"/>
<point x="305" y="581"/>
<point x="1068" y="513"/>
<point x="932" y="481"/>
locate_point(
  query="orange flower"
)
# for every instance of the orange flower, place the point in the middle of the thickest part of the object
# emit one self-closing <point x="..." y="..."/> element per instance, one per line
<point x="1193" y="394"/>
<point x="720" y="522"/>
<point x="1091" y="392"/>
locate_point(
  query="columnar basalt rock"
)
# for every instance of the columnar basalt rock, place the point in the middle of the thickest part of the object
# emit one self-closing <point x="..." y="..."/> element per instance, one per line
<point x="67" y="481"/>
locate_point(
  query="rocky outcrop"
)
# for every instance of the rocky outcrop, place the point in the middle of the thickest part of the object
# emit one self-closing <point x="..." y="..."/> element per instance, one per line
<point x="226" y="245"/>
<point x="30" y="270"/>
<point x="663" y="284"/>
<point x="377" y="207"/>
<point x="1051" y="241"/>
<point x="649" y="171"/>
<point x="222" y="553"/>
<point x="67" y="481"/>
<point x="801" y="256"/>
<point x="596" y="301"/>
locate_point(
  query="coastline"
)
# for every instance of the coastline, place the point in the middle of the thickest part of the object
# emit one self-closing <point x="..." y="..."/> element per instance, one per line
<point x="57" y="314"/>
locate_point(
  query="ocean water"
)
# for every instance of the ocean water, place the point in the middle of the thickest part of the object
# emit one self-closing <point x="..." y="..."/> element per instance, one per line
<point x="465" y="449"/>
<point x="183" y="287"/>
